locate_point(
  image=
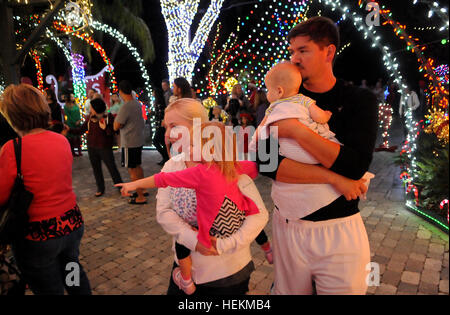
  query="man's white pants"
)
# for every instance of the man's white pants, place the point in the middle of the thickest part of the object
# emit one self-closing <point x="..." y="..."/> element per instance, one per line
<point x="332" y="253"/>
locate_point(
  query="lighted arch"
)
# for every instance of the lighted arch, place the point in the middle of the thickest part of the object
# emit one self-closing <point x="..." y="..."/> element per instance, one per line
<point x="88" y="39"/>
<point x="134" y="52"/>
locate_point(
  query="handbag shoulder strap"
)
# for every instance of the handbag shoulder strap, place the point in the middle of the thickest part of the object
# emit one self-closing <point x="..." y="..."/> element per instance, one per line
<point x="18" y="152"/>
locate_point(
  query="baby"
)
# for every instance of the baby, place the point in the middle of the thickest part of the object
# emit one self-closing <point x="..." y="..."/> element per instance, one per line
<point x="283" y="82"/>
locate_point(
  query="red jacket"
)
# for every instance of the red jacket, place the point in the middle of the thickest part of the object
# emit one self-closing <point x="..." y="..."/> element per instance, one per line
<point x="47" y="173"/>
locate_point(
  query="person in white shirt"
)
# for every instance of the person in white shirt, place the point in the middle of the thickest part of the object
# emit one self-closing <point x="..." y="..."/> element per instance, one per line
<point x="87" y="104"/>
<point x="412" y="102"/>
<point x="226" y="267"/>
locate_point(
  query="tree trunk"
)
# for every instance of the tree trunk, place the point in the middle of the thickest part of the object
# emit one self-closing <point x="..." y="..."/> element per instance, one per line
<point x="8" y="48"/>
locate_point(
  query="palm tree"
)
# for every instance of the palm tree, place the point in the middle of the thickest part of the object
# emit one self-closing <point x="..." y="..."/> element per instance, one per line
<point x="125" y="16"/>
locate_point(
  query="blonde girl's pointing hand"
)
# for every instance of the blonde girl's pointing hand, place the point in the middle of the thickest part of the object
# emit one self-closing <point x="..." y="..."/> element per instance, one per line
<point x="126" y="188"/>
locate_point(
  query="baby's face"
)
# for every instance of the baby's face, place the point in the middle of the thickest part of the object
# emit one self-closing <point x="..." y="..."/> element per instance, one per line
<point x="282" y="81"/>
<point x="273" y="93"/>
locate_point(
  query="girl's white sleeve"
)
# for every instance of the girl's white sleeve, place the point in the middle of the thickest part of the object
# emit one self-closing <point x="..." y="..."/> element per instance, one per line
<point x="169" y="220"/>
<point x="252" y="225"/>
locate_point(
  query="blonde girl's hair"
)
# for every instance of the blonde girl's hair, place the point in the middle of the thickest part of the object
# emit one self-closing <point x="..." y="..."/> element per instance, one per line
<point x="24" y="107"/>
<point x="226" y="158"/>
<point x="188" y="108"/>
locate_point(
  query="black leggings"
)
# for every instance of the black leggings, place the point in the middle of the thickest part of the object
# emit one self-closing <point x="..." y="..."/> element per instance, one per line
<point x="261" y="238"/>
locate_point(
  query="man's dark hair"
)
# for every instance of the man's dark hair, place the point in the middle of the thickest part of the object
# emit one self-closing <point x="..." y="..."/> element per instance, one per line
<point x="184" y="86"/>
<point x="166" y="81"/>
<point x="98" y="105"/>
<point x="322" y="31"/>
<point x="125" y="87"/>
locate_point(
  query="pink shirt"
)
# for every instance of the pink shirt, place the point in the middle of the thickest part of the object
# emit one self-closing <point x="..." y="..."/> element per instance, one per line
<point x="47" y="173"/>
<point x="211" y="187"/>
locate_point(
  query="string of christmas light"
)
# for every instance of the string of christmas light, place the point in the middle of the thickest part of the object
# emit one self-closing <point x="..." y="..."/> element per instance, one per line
<point x="230" y="83"/>
<point x="252" y="58"/>
<point x="219" y="61"/>
<point x="435" y="9"/>
<point x="123" y="40"/>
<point x="390" y="63"/>
<point x="341" y="50"/>
<point x="209" y="103"/>
<point x="37" y="63"/>
<point x="428" y="28"/>
<point x="400" y="30"/>
<point x="437" y="118"/>
<point x="134" y="52"/>
<point x="385" y="120"/>
<point x="77" y="14"/>
<point x="80" y="101"/>
<point x="442" y="73"/>
<point x="78" y="74"/>
<point x="61" y="46"/>
<point x="79" y="86"/>
<point x="2" y="84"/>
<point x="442" y="204"/>
<point x="88" y="39"/>
<point x="113" y="33"/>
<point x="409" y="146"/>
<point x="183" y="53"/>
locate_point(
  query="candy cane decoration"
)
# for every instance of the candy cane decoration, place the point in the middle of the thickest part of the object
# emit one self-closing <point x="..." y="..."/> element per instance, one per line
<point x="442" y="204"/>
<point x="415" y="190"/>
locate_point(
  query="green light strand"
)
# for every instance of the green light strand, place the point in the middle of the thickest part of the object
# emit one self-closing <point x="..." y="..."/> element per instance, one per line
<point x="410" y="206"/>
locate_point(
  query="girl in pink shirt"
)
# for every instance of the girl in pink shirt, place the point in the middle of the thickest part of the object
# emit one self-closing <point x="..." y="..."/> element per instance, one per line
<point x="221" y="207"/>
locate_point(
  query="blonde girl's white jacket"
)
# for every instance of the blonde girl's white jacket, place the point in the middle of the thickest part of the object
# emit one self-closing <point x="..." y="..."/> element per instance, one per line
<point x="234" y="251"/>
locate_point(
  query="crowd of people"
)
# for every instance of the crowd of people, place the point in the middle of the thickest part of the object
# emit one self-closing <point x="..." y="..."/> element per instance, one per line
<point x="412" y="98"/>
<point x="212" y="208"/>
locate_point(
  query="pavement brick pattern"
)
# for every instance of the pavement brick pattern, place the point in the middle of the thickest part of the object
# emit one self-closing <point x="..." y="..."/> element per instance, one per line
<point x="125" y="251"/>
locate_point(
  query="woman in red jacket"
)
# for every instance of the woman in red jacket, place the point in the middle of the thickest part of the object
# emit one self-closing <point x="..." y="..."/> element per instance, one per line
<point x="48" y="253"/>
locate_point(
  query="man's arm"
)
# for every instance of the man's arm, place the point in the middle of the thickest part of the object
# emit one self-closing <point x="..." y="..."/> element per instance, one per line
<point x="117" y="126"/>
<point x="324" y="150"/>
<point x="353" y="158"/>
<point x="293" y="172"/>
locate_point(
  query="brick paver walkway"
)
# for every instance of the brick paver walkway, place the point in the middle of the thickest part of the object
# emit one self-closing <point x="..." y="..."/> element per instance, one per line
<point x="125" y="251"/>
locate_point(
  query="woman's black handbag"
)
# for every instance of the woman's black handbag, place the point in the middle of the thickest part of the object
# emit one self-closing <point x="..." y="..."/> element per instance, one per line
<point x="14" y="214"/>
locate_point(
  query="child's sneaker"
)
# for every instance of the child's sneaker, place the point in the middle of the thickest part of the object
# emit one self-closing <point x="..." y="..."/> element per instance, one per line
<point x="187" y="286"/>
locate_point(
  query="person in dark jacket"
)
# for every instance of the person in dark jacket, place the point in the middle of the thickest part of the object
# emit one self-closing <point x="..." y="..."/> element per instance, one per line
<point x="56" y="112"/>
<point x="100" y="140"/>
